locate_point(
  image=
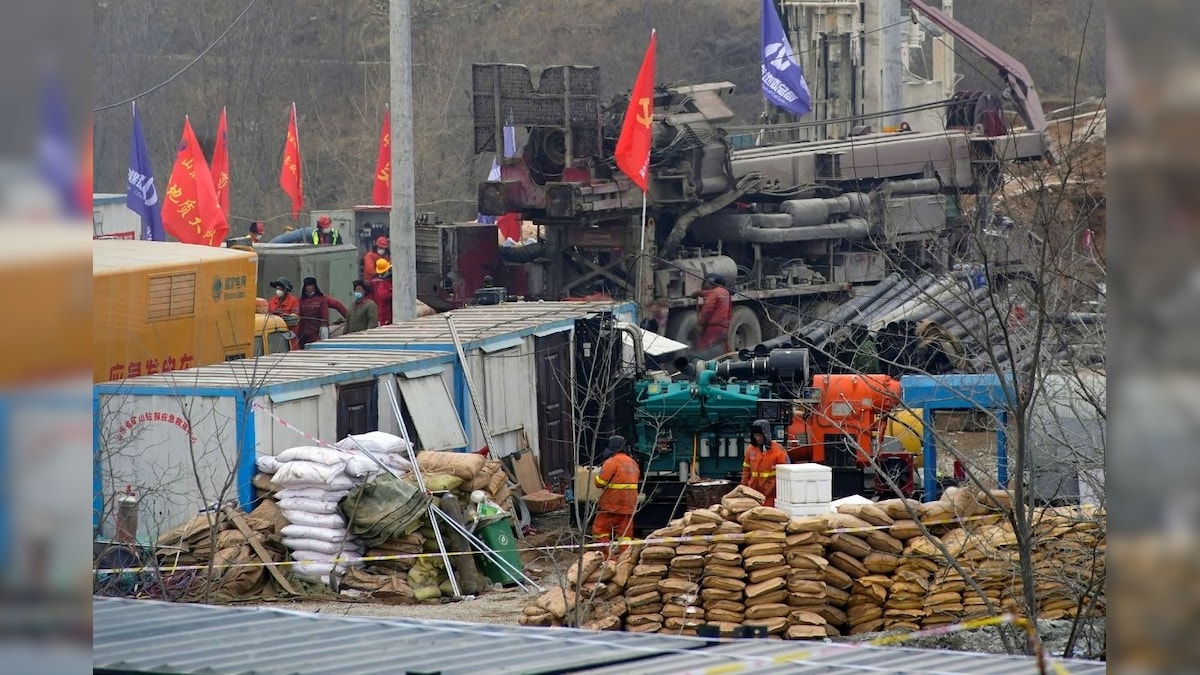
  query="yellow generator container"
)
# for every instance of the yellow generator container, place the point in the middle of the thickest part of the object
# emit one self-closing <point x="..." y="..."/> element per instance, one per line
<point x="906" y="426"/>
<point x="160" y="306"/>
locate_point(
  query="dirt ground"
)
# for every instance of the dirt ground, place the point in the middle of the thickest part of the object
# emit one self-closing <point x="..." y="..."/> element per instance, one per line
<point x="544" y="561"/>
<point x="548" y="551"/>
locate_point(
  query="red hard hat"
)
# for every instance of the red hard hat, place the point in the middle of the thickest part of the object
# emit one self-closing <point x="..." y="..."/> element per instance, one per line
<point x="324" y="221"/>
<point x="381" y="242"/>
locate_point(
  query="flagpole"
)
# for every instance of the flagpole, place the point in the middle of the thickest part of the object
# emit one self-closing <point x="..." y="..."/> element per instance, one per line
<point x="641" y="261"/>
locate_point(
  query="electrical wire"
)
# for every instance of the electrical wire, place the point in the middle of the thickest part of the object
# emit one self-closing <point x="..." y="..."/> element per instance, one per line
<point x="182" y="70"/>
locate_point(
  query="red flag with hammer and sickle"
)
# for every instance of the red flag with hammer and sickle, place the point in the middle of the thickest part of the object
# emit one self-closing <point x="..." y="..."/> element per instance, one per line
<point x="191" y="212"/>
<point x="633" y="147"/>
<point x="290" y="178"/>
<point x="381" y="193"/>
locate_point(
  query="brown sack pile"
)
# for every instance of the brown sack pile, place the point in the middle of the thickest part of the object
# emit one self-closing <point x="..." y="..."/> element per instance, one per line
<point x="867" y="568"/>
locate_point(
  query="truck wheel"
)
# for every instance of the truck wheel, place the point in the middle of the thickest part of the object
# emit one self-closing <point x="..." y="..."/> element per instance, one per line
<point x="744" y="329"/>
<point x="783" y="322"/>
<point x="814" y="311"/>
<point x="681" y="327"/>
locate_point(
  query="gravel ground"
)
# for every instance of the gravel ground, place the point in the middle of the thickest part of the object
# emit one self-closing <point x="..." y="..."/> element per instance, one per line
<point x="1054" y="634"/>
<point x="497" y="607"/>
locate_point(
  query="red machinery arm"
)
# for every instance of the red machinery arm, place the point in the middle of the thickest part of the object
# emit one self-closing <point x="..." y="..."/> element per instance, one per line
<point x="1012" y="70"/>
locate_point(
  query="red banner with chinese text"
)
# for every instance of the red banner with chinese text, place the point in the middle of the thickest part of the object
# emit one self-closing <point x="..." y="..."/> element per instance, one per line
<point x="190" y="212"/>
<point x="290" y="178"/>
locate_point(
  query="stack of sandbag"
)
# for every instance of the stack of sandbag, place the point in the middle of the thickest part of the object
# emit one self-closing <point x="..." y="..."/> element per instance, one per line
<point x="464" y="472"/>
<point x="816" y="605"/>
<point x="643" y="600"/>
<point x="891" y="565"/>
<point x="860" y="547"/>
<point x="764" y="542"/>
<point x="313" y="481"/>
<point x="237" y="571"/>
<point x="1069" y="556"/>
<point x="912" y="576"/>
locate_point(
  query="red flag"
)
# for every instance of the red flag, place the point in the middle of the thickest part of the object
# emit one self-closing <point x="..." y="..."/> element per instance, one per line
<point x="381" y="194"/>
<point x="633" y="147"/>
<point x="190" y="212"/>
<point x="84" y="192"/>
<point x="220" y="165"/>
<point x="289" y="175"/>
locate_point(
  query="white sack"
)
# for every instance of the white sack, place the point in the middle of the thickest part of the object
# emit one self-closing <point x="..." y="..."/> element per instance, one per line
<point x="320" y="494"/>
<point x="312" y="453"/>
<point x="329" y="534"/>
<point x="361" y="466"/>
<point x="312" y="474"/>
<point x="377" y="442"/>
<point x="315" y="570"/>
<point x="266" y="464"/>
<point x="330" y="520"/>
<point x="346" y="558"/>
<point x="310" y="505"/>
<point x="319" y="546"/>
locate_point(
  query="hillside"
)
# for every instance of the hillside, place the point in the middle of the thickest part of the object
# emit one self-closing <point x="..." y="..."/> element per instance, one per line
<point x="331" y="59"/>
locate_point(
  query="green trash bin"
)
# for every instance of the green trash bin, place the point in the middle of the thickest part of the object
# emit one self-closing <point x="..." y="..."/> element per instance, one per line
<point x="498" y="536"/>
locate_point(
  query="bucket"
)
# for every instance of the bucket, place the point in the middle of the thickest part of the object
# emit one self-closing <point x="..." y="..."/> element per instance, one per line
<point x="703" y="494"/>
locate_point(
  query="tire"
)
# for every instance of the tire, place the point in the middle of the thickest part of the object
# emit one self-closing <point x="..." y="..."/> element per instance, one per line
<point x="745" y="331"/>
<point x="682" y="327"/>
<point x="783" y="322"/>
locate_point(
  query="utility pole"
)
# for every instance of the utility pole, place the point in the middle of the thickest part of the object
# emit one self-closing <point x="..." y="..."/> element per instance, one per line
<point x="402" y="228"/>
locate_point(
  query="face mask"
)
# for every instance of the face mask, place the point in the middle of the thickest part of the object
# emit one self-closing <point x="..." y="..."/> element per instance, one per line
<point x="358" y="295"/>
<point x="380" y="250"/>
<point x="279" y="292"/>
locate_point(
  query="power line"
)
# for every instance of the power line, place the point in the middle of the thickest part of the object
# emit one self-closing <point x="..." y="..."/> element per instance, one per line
<point x="181" y="71"/>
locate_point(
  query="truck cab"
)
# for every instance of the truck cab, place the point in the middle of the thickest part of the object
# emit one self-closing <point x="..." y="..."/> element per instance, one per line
<point x="271" y="334"/>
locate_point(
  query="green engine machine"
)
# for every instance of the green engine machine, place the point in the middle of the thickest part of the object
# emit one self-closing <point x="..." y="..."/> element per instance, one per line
<point x="708" y="418"/>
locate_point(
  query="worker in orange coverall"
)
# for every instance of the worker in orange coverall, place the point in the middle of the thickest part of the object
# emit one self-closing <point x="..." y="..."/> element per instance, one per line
<point x="762" y="455"/>
<point x="618" y="482"/>
<point x="716" y="311"/>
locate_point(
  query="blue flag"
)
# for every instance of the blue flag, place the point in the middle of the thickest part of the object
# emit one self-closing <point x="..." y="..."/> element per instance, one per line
<point x="140" y="195"/>
<point x="510" y="150"/>
<point x="782" y="77"/>
<point x="57" y="163"/>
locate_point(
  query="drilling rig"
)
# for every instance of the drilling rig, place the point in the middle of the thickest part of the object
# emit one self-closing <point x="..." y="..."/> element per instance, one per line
<point x="792" y="227"/>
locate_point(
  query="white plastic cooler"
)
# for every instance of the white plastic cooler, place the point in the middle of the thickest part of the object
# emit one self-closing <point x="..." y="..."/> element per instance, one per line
<point x="802" y="484"/>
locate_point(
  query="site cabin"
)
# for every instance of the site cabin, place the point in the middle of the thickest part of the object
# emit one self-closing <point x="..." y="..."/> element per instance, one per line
<point x="527" y="360"/>
<point x="186" y="439"/>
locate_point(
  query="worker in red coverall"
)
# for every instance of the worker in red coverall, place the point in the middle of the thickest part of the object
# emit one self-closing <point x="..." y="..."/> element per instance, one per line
<point x="618" y="482"/>
<point x="314" y="312"/>
<point x="286" y="306"/>
<point x="382" y="251"/>
<point x="381" y="290"/>
<point x="716" y="310"/>
<point x="762" y="456"/>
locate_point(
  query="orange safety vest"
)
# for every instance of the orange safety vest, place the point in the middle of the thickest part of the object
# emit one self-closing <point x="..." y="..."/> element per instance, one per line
<point x="619" y="476"/>
<point x="758" y="469"/>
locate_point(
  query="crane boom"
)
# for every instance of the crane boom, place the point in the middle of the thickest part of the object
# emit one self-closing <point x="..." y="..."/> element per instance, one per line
<point x="1029" y="106"/>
